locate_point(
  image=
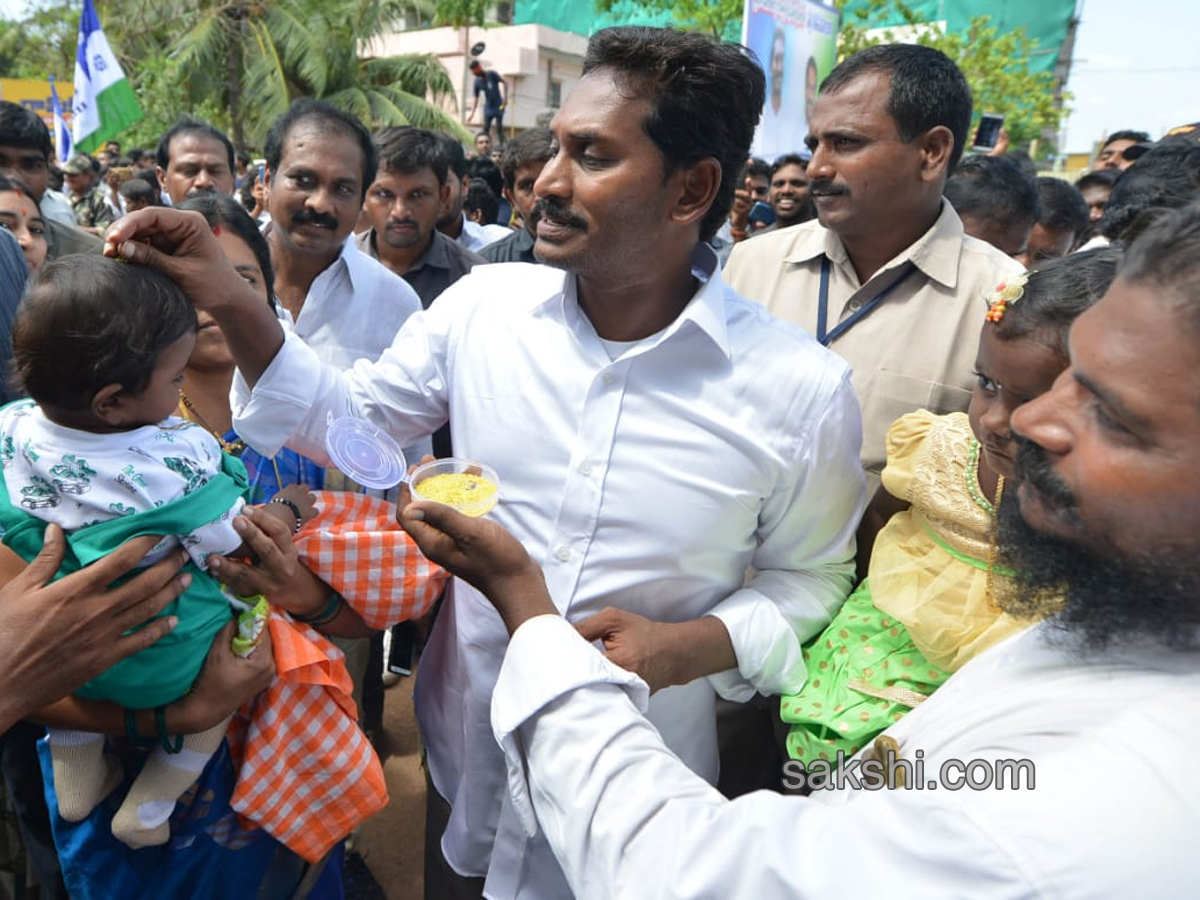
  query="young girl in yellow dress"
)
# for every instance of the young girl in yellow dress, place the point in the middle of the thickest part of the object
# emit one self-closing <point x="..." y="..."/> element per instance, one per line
<point x="926" y="607"/>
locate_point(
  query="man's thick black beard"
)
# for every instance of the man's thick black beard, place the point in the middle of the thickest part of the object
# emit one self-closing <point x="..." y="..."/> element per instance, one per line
<point x="1096" y="597"/>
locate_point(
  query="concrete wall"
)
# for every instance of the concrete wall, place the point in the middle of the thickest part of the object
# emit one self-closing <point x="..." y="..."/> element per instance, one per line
<point x="529" y="57"/>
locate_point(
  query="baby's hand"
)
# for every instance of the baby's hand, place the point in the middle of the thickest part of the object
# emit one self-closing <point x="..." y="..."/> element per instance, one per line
<point x="294" y="500"/>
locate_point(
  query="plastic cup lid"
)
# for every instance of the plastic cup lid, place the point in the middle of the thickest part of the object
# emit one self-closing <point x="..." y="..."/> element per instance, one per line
<point x="365" y="453"/>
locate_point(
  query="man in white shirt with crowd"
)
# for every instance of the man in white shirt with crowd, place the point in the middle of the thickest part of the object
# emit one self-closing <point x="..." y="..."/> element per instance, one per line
<point x="1059" y="763"/>
<point x="655" y="434"/>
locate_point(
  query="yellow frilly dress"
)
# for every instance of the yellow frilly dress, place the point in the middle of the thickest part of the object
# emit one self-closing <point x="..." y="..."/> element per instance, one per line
<point x="923" y="610"/>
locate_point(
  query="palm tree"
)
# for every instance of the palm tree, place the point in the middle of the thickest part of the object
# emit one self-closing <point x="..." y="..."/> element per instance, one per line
<point x="259" y="55"/>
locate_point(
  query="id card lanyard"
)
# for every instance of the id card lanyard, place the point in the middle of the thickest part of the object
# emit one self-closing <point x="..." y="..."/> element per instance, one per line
<point x="828" y="337"/>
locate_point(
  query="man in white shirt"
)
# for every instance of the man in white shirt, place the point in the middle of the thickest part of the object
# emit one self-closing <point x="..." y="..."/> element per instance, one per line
<point x="343" y="304"/>
<point x="1059" y="763"/>
<point x="655" y="433"/>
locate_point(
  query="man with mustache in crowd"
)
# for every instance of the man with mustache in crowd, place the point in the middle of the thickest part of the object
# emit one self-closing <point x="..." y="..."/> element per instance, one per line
<point x="885" y="276"/>
<point x="656" y="433"/>
<point x="1058" y="763"/>
<point x="343" y="304"/>
<point x="194" y="158"/>
<point x="402" y="206"/>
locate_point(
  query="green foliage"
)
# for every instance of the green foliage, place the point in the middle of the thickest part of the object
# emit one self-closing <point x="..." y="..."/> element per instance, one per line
<point x="460" y="13"/>
<point x="720" y="18"/>
<point x="994" y="64"/>
<point x="239" y="63"/>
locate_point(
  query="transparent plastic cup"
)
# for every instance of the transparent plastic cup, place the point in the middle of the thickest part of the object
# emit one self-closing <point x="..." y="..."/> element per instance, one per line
<point x="468" y="486"/>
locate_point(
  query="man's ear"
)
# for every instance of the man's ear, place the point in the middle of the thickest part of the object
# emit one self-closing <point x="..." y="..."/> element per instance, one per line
<point x="698" y="186"/>
<point x="937" y="144"/>
<point x="444" y="195"/>
<point x="108" y="404"/>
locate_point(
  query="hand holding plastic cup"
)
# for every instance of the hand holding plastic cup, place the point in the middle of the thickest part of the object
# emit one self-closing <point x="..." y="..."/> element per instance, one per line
<point x="468" y="486"/>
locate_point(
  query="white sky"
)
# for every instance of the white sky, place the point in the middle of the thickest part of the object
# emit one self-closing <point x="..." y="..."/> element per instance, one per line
<point x="1136" y="66"/>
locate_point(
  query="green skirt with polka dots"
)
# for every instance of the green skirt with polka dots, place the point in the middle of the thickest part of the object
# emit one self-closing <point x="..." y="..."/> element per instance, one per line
<point x="864" y="674"/>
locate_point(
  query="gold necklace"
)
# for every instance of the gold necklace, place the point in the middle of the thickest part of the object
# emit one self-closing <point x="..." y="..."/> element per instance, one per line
<point x="991" y="563"/>
<point x="233" y="448"/>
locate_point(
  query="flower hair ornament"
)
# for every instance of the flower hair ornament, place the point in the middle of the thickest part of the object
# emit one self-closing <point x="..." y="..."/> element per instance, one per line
<point x="1006" y="292"/>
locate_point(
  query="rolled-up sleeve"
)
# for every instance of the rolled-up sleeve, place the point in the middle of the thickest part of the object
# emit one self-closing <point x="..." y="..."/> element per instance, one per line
<point x="804" y="565"/>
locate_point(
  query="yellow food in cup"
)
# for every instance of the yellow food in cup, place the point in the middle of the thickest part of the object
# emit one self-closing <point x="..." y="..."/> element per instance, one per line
<point x="472" y="495"/>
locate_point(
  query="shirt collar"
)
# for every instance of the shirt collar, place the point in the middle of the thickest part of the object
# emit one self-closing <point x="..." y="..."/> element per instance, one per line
<point x="706" y="309"/>
<point x="350" y="260"/>
<point x="936" y="253"/>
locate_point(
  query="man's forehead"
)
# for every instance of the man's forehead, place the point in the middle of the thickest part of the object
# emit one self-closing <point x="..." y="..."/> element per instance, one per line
<point x="1137" y="346"/>
<point x="598" y="103"/>
<point x="860" y="102"/>
<point x="193" y="144"/>
<point x="397" y="179"/>
<point x="310" y="145"/>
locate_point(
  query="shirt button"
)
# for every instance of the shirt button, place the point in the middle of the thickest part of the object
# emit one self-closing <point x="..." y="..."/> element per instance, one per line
<point x="608" y="378"/>
<point x="585" y="468"/>
<point x="854" y="306"/>
<point x="563" y="554"/>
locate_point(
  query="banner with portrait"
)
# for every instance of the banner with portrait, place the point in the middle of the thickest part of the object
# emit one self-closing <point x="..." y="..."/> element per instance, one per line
<point x="796" y="42"/>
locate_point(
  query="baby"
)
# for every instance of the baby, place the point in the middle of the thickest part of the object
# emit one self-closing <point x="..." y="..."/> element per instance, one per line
<point x="100" y="348"/>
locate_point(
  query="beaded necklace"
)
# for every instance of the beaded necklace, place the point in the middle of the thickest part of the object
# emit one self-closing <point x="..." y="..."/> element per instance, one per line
<point x="972" y="479"/>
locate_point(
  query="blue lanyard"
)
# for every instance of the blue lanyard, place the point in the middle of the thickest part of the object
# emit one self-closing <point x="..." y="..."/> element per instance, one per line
<point x="827" y="338"/>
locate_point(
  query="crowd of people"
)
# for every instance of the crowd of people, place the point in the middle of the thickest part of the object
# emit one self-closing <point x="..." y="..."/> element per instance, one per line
<point x="823" y="480"/>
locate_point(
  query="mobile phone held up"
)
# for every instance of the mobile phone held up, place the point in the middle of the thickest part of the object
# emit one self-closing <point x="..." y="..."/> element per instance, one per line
<point x="761" y="214"/>
<point x="988" y="132"/>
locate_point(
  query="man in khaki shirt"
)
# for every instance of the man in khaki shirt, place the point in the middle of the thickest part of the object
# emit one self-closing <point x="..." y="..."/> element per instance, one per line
<point x="905" y="287"/>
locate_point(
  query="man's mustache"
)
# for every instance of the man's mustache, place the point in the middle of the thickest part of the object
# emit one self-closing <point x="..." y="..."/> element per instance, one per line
<point x="307" y="217"/>
<point x="824" y="187"/>
<point x="556" y="215"/>
<point x="1033" y="469"/>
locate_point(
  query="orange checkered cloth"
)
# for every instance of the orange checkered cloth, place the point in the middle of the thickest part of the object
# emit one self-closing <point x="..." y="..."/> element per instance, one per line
<point x="307" y="774"/>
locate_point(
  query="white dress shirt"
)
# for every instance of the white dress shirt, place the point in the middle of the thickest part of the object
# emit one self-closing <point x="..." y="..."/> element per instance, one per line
<point x="649" y="482"/>
<point x="1113" y="811"/>
<point x="354" y="308"/>
<point x="475" y="237"/>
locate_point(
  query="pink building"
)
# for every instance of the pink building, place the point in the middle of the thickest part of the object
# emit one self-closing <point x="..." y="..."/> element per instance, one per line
<point x="541" y="66"/>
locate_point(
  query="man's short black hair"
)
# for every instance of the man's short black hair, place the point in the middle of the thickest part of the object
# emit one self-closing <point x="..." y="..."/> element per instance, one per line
<point x="1166" y="176"/>
<point x="456" y="157"/>
<point x="484" y="168"/>
<point x="927" y="89"/>
<point x="138" y="189"/>
<point x="328" y="119"/>
<point x="188" y="125"/>
<point x="242" y="157"/>
<point x="404" y="149"/>
<point x="1099" y="178"/>
<point x="77" y="332"/>
<point x="994" y="189"/>
<point x="705" y="98"/>
<point x="532" y="145"/>
<point x="1138" y="137"/>
<point x="1063" y="207"/>
<point x="756" y="168"/>
<point x="1166" y="254"/>
<point x="480" y="197"/>
<point x="788" y="159"/>
<point x="20" y="127"/>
